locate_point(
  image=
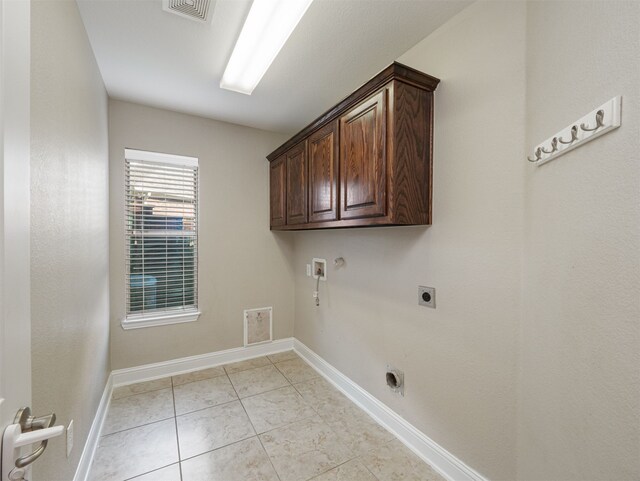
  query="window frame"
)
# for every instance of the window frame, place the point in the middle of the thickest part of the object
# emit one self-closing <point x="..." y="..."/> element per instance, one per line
<point x="161" y="317"/>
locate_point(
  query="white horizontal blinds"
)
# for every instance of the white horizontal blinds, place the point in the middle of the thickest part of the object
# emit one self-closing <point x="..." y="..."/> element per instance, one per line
<point x="161" y="233"/>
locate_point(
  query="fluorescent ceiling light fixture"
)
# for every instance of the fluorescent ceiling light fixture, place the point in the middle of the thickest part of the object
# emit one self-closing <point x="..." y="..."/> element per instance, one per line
<point x="265" y="31"/>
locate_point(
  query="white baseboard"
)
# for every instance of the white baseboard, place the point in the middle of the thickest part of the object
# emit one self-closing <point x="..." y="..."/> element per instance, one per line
<point x="439" y="458"/>
<point x="159" y="370"/>
<point x="173" y="367"/>
<point x="90" y="446"/>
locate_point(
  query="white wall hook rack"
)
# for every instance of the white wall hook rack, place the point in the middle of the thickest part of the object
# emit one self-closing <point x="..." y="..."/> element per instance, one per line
<point x="596" y="123"/>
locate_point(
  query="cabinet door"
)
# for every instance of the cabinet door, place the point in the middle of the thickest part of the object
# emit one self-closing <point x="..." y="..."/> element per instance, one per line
<point x="323" y="174"/>
<point x="363" y="159"/>
<point x="277" y="193"/>
<point x="297" y="184"/>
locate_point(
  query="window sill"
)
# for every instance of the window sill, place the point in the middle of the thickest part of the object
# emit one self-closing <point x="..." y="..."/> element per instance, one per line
<point x="159" y="320"/>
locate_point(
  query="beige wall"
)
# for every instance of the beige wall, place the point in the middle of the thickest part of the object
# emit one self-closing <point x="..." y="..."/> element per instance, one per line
<point x="459" y="359"/>
<point x="69" y="231"/>
<point x="579" y="414"/>
<point x="528" y="368"/>
<point x="241" y="263"/>
<point x="524" y="371"/>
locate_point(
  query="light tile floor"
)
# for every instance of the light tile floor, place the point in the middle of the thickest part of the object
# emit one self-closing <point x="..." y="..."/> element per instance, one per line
<point x="266" y="419"/>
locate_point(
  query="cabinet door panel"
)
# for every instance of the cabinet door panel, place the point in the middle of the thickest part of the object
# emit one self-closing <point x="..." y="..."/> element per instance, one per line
<point x="297" y="184"/>
<point x="363" y="160"/>
<point x="277" y="195"/>
<point x="323" y="174"/>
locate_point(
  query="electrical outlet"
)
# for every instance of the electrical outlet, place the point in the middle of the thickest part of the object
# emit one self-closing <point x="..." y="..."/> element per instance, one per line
<point x="427" y="296"/>
<point x="69" y="438"/>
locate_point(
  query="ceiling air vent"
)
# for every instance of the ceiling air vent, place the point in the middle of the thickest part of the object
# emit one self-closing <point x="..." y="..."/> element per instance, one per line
<point x="199" y="10"/>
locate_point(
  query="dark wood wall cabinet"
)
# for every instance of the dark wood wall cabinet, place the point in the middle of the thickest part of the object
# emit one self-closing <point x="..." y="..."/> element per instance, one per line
<point x="365" y="162"/>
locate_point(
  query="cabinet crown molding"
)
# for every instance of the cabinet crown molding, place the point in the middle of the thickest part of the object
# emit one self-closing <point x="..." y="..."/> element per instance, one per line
<point x="395" y="71"/>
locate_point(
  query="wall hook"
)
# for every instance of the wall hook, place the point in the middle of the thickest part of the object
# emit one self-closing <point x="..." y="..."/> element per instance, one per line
<point x="574" y="136"/>
<point x="538" y="154"/>
<point x="579" y="132"/>
<point x="554" y="146"/>
<point x="599" y="122"/>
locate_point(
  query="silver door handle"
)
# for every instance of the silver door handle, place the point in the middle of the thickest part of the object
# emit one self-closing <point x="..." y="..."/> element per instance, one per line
<point x="25" y="430"/>
<point x="29" y="423"/>
<point x="24" y="461"/>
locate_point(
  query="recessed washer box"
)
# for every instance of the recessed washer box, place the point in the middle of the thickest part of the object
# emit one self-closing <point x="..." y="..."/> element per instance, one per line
<point x="322" y="265"/>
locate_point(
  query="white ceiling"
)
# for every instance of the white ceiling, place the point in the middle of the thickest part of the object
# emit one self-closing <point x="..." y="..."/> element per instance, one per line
<point x="149" y="56"/>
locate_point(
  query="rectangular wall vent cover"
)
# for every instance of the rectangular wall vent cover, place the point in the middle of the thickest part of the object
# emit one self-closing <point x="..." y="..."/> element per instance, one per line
<point x="199" y="10"/>
<point x="258" y="327"/>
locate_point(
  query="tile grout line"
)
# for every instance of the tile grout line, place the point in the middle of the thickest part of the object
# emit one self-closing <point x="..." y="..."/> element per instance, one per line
<point x="290" y="383"/>
<point x="136" y="426"/>
<point x="172" y="387"/>
<point x="284" y="425"/>
<point x="285" y="376"/>
<point x="268" y="390"/>
<point x="265" y="392"/>
<point x="275" y="364"/>
<point x="170" y="377"/>
<point x="229" y="402"/>
<point x="149" y="472"/>
<point x="355" y="456"/>
<point x="138" y="393"/>
<point x="335" y="467"/>
<point x="256" y="431"/>
<point x="393" y="438"/>
<point x="207" y="407"/>
<point x="222" y="366"/>
<point x="208" y="451"/>
<point x="269" y="458"/>
<point x="143" y="425"/>
<point x="175" y="423"/>
<point x="367" y="468"/>
<point x="249" y="368"/>
<point x="196" y="380"/>
<point x="289" y="424"/>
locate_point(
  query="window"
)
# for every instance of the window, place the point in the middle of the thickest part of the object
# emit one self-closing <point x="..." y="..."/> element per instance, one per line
<point x="161" y="217"/>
